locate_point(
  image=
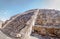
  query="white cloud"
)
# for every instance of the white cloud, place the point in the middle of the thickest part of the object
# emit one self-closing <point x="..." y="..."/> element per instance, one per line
<point x="54" y="4"/>
<point x="3" y="19"/>
<point x="3" y="15"/>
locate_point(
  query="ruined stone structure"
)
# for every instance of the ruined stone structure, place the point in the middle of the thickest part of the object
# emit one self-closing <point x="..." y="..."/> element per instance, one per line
<point x="43" y="22"/>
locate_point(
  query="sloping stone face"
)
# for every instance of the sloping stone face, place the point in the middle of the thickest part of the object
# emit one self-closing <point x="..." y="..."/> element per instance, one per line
<point x="47" y="20"/>
<point x="50" y="31"/>
<point x="17" y="24"/>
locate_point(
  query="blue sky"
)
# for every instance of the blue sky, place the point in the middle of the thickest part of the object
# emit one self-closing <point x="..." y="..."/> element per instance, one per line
<point x="9" y="8"/>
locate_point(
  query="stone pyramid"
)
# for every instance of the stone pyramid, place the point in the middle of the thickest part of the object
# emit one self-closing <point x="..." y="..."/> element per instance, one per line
<point x="43" y="22"/>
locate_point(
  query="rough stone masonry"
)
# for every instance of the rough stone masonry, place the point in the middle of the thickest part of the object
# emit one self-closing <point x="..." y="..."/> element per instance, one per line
<point x="47" y="23"/>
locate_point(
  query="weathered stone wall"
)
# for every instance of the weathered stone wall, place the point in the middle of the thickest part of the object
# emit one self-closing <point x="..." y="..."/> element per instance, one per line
<point x="50" y="31"/>
<point x="15" y="25"/>
<point x="47" y="23"/>
<point x="48" y="18"/>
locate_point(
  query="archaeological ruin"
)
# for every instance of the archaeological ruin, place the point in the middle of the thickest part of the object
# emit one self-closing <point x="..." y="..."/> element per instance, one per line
<point x="44" y="22"/>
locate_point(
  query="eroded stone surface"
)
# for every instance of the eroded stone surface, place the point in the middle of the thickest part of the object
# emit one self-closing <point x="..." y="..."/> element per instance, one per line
<point x="47" y="23"/>
<point x="54" y="32"/>
<point x="13" y="27"/>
